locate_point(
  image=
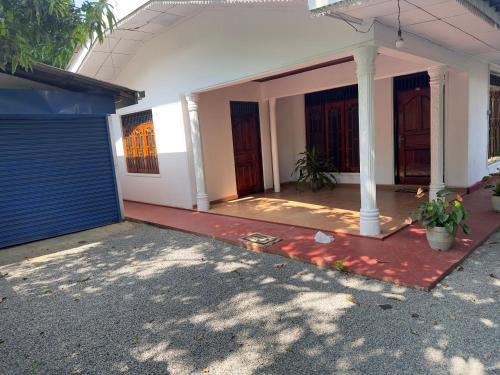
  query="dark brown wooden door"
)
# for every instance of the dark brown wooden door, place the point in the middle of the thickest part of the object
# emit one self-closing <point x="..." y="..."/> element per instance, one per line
<point x="247" y="147"/>
<point x="413" y="136"/>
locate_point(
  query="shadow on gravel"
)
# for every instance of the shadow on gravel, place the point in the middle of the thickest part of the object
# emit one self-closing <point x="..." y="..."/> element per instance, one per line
<point x="157" y="301"/>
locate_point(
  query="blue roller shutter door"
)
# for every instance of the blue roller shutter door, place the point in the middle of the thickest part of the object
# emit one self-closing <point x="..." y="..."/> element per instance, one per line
<point x="56" y="177"/>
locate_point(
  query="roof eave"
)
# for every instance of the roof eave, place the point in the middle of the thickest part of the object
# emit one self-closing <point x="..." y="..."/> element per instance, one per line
<point x="479" y="8"/>
<point x="64" y="79"/>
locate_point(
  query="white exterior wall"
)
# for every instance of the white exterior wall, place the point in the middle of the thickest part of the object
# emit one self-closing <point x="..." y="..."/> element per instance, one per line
<point x="172" y="186"/>
<point x="455" y="132"/>
<point x="228" y="45"/>
<point x="217" y="47"/>
<point x="479" y="86"/>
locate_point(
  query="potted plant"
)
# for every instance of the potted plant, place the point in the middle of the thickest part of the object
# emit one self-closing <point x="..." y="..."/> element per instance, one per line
<point x="310" y="168"/>
<point x="493" y="182"/>
<point x="495" y="198"/>
<point x="442" y="218"/>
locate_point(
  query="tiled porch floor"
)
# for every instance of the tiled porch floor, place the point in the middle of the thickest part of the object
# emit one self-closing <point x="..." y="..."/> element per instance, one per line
<point x="403" y="258"/>
<point x="329" y="210"/>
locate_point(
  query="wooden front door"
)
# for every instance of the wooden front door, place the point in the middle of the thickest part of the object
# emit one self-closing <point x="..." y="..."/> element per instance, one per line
<point x="247" y="147"/>
<point x="413" y="136"/>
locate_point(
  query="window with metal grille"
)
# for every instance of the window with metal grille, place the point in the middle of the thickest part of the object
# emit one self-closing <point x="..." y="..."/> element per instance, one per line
<point x="332" y="126"/>
<point x="139" y="143"/>
<point x="494" y="128"/>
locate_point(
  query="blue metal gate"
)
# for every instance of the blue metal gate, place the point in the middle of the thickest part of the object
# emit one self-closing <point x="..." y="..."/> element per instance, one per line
<point x="56" y="176"/>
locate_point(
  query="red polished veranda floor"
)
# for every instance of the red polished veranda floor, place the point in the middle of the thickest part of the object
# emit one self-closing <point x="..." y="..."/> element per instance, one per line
<point x="403" y="258"/>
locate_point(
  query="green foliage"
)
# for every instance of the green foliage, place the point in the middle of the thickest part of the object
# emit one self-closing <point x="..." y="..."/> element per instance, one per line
<point x="339" y="265"/>
<point x="496" y="189"/>
<point x="443" y="213"/>
<point x="492" y="182"/>
<point x="49" y="31"/>
<point x="310" y="168"/>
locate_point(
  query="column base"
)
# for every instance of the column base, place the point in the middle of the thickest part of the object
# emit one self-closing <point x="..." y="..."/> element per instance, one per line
<point x="369" y="223"/>
<point x="202" y="203"/>
<point x="434" y="189"/>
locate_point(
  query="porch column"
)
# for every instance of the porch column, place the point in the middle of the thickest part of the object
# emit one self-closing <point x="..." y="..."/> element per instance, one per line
<point x="274" y="145"/>
<point x="369" y="213"/>
<point x="202" y="202"/>
<point x="436" y="75"/>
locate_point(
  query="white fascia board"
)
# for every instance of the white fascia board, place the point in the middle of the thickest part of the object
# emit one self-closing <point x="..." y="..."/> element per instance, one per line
<point x="482" y="10"/>
<point x="322" y="7"/>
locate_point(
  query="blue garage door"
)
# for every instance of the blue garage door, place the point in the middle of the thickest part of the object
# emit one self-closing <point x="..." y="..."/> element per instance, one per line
<point x="56" y="177"/>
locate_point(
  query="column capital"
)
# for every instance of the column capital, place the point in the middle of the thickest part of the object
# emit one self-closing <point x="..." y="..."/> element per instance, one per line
<point x="365" y="59"/>
<point x="436" y="74"/>
<point x="192" y="100"/>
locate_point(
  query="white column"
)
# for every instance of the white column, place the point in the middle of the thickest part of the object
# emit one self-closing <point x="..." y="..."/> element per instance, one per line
<point x="199" y="171"/>
<point x="369" y="213"/>
<point x="436" y="75"/>
<point x="274" y="145"/>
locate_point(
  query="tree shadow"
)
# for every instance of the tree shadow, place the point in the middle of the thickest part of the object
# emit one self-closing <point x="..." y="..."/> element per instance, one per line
<point x="160" y="301"/>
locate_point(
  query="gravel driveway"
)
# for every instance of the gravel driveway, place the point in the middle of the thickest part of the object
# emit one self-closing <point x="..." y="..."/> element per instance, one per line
<point x="142" y="300"/>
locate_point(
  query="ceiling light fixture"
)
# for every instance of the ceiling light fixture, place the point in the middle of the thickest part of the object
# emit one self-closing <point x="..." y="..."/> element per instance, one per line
<point x="400" y="42"/>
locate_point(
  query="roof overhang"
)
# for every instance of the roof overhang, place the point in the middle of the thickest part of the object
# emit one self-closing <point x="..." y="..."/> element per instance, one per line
<point x="105" y="61"/>
<point x="470" y="27"/>
<point x="63" y="79"/>
<point x="488" y="10"/>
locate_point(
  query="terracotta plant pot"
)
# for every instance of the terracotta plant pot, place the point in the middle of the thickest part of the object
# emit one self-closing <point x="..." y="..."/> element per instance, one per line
<point x="439" y="238"/>
<point x="495" y="202"/>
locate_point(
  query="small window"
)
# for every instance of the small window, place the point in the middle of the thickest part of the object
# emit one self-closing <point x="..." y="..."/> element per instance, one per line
<point x="139" y="143"/>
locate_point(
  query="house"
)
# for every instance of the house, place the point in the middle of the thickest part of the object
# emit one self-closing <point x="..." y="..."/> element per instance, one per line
<point x="396" y="94"/>
<point x="57" y="170"/>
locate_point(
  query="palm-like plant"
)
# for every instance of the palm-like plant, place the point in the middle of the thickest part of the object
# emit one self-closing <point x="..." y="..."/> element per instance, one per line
<point x="311" y="168"/>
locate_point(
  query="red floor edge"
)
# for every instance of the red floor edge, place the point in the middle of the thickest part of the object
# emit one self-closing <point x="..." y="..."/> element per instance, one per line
<point x="403" y="258"/>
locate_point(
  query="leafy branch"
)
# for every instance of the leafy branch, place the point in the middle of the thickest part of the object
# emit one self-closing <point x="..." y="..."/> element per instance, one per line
<point x="49" y="31"/>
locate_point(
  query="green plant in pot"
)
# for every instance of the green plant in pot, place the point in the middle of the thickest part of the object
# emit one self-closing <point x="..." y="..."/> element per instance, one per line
<point x="442" y="218"/>
<point x="312" y="169"/>
<point x="492" y="182"/>
<point x="495" y="198"/>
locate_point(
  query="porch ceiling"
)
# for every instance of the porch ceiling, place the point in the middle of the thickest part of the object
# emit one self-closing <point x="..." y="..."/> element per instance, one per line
<point x="465" y="26"/>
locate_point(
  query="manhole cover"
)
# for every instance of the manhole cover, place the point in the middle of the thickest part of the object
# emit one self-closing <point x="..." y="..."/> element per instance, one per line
<point x="259" y="239"/>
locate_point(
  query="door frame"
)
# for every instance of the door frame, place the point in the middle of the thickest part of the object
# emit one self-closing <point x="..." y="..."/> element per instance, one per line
<point x="420" y="79"/>
<point x="260" y="188"/>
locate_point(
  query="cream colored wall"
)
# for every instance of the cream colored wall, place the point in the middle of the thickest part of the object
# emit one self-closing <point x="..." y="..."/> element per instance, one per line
<point x="215" y="123"/>
<point x="217" y="142"/>
<point x="290" y="115"/>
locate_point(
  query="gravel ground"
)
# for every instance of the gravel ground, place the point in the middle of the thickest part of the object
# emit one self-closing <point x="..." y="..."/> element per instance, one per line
<point x="142" y="300"/>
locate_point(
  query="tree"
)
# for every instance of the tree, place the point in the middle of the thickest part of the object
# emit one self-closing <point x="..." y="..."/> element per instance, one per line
<point x="49" y="31"/>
